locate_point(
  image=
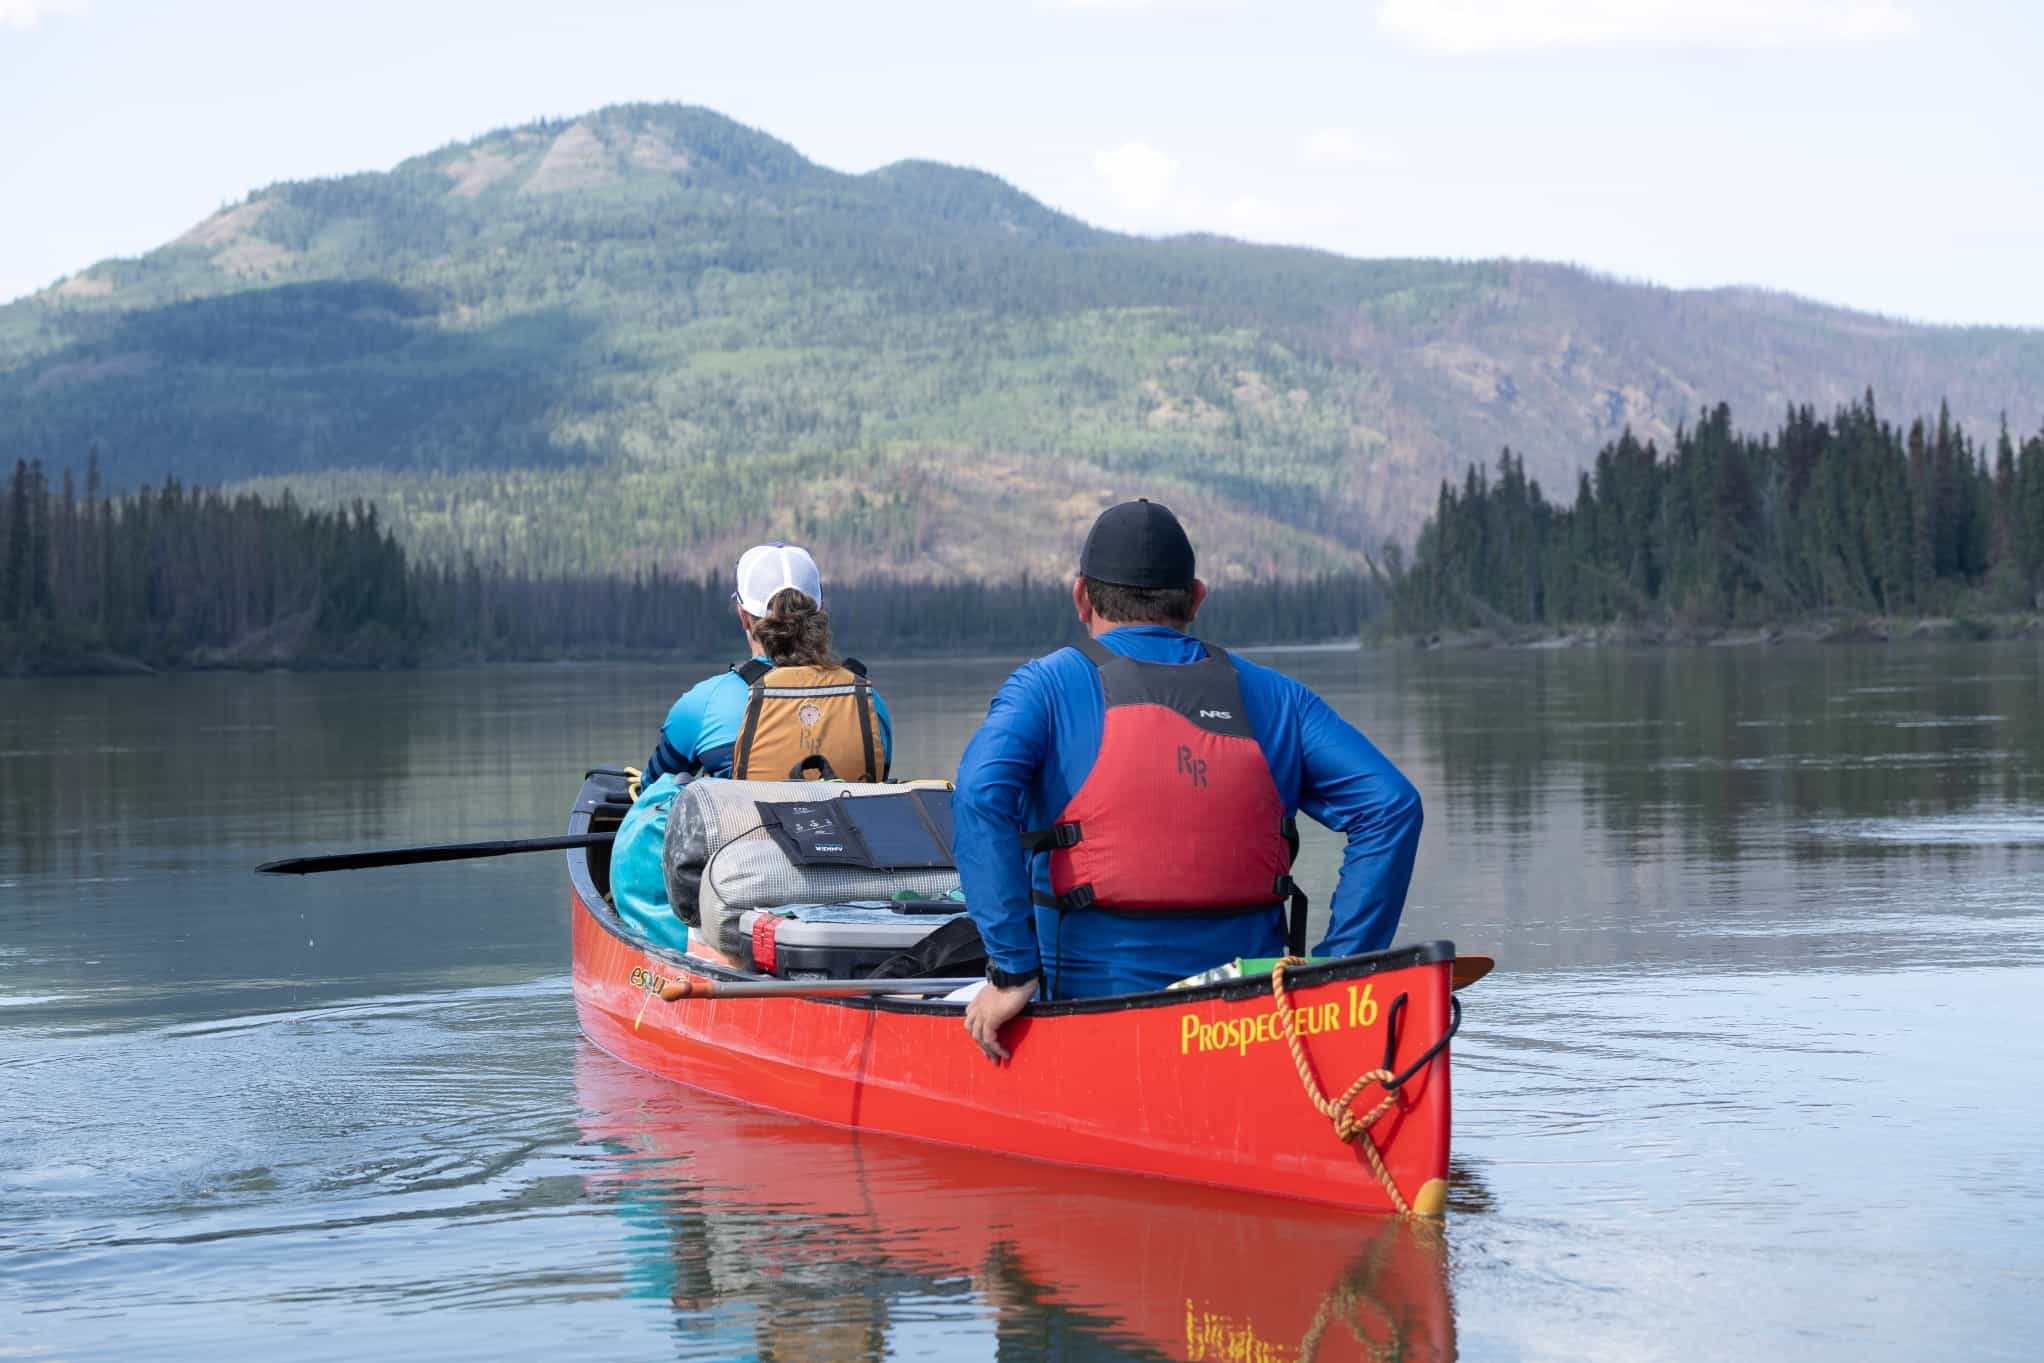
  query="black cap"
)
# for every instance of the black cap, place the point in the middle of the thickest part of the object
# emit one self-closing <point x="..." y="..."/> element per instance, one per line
<point x="1138" y="544"/>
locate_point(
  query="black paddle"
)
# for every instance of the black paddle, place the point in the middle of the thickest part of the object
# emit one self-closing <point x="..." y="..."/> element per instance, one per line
<point x="413" y="856"/>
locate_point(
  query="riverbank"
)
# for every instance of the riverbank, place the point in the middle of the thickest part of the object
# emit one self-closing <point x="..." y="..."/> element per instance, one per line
<point x="1622" y="634"/>
<point x="116" y="665"/>
<point x="1841" y="629"/>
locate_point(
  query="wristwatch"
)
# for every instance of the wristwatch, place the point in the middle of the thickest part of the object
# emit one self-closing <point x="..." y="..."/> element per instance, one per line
<point x="1009" y="979"/>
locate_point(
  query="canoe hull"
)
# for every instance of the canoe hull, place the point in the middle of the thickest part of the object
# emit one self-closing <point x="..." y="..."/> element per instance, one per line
<point x="1198" y="1086"/>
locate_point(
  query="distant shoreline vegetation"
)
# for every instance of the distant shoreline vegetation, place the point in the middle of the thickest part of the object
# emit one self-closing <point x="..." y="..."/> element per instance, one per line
<point x="177" y="577"/>
<point x="1850" y="528"/>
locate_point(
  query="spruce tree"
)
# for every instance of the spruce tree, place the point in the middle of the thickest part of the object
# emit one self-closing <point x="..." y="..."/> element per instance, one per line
<point x="1923" y="513"/>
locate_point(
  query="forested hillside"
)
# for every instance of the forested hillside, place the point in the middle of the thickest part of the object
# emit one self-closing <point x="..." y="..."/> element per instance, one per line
<point x="648" y="336"/>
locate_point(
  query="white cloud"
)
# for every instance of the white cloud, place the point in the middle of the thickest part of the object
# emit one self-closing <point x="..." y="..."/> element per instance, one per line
<point x="25" y="14"/>
<point x="1344" y="148"/>
<point x="1137" y="175"/>
<point x="1466" y="26"/>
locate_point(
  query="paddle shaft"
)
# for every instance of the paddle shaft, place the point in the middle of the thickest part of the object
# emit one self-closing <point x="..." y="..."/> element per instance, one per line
<point x="699" y="987"/>
<point x="414" y="856"/>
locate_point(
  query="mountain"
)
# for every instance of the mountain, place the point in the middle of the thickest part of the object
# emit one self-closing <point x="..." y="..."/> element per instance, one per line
<point x="650" y="335"/>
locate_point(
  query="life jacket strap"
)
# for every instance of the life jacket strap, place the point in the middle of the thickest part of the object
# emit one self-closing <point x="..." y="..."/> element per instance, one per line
<point x="1080" y="897"/>
<point x="1052" y="838"/>
<point x="741" y="755"/>
<point x="815" y="763"/>
<point x="1071" y="901"/>
<point x="876" y="766"/>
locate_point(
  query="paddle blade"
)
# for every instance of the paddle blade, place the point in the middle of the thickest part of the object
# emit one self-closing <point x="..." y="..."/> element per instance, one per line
<point x="1467" y="970"/>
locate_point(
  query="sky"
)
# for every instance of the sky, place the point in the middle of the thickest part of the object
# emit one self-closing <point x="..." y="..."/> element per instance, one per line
<point x="1882" y="154"/>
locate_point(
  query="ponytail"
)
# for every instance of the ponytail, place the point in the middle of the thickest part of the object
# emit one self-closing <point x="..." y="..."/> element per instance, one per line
<point x="795" y="631"/>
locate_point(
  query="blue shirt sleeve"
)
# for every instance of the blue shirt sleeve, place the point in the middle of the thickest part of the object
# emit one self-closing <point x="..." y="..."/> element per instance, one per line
<point x="987" y="819"/>
<point x="1348" y="785"/>
<point x="676" y="752"/>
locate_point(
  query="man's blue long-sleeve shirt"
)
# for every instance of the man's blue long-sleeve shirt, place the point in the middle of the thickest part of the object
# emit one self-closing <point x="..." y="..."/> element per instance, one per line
<point x="1036" y="748"/>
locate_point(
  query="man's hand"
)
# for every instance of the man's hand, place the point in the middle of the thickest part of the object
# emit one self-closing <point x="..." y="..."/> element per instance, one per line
<point x="993" y="1008"/>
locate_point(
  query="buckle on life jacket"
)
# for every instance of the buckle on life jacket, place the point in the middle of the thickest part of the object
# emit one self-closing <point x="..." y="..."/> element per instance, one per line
<point x="1072" y="900"/>
<point x="1053" y="838"/>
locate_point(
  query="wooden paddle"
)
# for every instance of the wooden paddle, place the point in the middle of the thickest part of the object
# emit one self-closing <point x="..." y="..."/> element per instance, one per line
<point x="1468" y="970"/>
<point x="413" y="856"/>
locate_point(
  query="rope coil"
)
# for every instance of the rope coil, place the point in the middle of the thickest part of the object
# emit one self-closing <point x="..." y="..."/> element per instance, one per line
<point x="1348" y="1127"/>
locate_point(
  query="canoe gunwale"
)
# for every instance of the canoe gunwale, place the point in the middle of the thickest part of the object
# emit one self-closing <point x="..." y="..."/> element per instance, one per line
<point x="601" y="782"/>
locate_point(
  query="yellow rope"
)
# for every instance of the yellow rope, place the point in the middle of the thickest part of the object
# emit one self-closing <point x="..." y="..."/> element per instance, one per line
<point x="1348" y="1127"/>
<point x="1355" y="1289"/>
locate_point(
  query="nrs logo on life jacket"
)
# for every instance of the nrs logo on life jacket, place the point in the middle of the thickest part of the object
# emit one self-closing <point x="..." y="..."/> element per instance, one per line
<point x="1180" y="813"/>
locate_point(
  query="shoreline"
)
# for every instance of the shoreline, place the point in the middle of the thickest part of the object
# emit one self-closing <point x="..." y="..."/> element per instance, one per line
<point x="1825" y="630"/>
<point x="120" y="665"/>
<point x="1864" y="629"/>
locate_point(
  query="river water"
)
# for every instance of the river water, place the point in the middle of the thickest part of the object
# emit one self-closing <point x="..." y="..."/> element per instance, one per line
<point x="1756" y="1075"/>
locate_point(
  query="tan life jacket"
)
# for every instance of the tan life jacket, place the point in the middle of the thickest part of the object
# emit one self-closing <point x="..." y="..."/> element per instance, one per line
<point x="808" y="723"/>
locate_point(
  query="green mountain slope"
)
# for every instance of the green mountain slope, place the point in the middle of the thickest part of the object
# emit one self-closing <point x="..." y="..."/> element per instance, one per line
<point x="651" y="334"/>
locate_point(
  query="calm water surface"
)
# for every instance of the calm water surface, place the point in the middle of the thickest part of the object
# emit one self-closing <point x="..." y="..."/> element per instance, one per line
<point x="1757" y="1075"/>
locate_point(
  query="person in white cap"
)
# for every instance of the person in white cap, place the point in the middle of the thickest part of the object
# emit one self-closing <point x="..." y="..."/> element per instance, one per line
<point x="792" y="710"/>
<point x="734" y="725"/>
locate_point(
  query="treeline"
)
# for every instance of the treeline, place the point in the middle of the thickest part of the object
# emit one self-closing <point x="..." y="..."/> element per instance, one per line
<point x="1853" y="514"/>
<point x="479" y="615"/>
<point x="175" y="576"/>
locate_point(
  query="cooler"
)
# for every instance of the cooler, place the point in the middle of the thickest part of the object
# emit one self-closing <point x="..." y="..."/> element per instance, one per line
<point x="835" y="941"/>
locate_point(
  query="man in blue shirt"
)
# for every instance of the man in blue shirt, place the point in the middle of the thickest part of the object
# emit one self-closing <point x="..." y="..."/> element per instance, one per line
<point x="1035" y="764"/>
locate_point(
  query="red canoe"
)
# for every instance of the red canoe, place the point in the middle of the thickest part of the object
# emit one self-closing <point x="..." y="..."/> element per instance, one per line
<point x="726" y="1203"/>
<point x="1197" y="1085"/>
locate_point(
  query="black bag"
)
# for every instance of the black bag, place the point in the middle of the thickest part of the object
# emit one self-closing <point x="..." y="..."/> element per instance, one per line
<point x="953" y="949"/>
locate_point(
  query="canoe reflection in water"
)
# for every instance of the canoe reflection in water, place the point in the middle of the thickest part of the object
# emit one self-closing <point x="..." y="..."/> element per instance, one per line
<point x="781" y="1239"/>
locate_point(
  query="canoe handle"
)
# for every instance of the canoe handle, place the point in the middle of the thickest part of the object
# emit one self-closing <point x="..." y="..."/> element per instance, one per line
<point x="1391" y="1040"/>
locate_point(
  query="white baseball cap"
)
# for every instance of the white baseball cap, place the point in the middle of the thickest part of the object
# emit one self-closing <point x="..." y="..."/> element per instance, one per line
<point x="766" y="569"/>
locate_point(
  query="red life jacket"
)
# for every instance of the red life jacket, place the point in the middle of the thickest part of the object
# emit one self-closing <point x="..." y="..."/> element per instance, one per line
<point x="1180" y="813"/>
